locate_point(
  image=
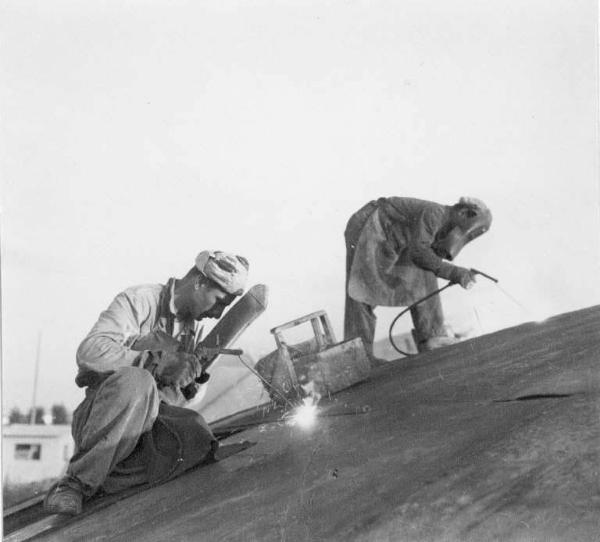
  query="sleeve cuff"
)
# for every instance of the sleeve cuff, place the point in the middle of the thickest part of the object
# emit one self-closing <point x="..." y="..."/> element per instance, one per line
<point x="445" y="270"/>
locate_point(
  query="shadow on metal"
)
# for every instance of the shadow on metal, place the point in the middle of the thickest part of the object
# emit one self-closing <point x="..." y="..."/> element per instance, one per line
<point x="536" y="396"/>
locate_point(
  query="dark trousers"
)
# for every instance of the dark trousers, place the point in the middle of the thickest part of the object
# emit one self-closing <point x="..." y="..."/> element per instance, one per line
<point x="124" y="436"/>
<point x="360" y="319"/>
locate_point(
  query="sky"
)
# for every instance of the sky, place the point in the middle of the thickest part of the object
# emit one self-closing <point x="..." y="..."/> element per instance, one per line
<point x="133" y="135"/>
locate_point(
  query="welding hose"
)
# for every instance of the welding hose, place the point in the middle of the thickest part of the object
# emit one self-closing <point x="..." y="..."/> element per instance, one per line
<point x="407" y="309"/>
<point x="436" y="292"/>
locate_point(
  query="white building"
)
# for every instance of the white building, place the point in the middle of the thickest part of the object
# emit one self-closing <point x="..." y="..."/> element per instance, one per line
<point x="31" y="453"/>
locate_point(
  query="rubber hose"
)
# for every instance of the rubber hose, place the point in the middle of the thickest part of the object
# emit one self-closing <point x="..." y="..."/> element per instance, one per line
<point x="407" y="309"/>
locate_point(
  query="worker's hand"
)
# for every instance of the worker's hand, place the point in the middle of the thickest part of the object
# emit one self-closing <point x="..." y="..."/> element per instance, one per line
<point x="206" y="353"/>
<point x="463" y="276"/>
<point x="190" y="391"/>
<point x="175" y="368"/>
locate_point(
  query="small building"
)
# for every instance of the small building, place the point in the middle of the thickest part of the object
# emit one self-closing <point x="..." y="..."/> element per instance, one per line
<point x="32" y="453"/>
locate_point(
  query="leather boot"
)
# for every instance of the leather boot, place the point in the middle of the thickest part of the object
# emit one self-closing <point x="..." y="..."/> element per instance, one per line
<point x="64" y="497"/>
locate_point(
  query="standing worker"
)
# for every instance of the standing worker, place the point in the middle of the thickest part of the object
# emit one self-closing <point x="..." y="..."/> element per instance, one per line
<point x="395" y="250"/>
<point x="139" y="370"/>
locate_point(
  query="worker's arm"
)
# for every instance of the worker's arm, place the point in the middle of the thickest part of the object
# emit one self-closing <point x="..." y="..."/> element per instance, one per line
<point x="107" y="346"/>
<point x="116" y="341"/>
<point x="423" y="256"/>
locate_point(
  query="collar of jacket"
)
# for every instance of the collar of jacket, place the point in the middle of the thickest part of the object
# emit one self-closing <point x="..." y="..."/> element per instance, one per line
<point x="165" y="304"/>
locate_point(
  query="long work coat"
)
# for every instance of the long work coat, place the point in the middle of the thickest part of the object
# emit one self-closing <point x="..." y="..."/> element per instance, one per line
<point x="393" y="254"/>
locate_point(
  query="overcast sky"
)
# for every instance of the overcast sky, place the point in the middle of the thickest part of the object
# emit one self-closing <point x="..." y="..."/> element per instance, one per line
<point x="136" y="134"/>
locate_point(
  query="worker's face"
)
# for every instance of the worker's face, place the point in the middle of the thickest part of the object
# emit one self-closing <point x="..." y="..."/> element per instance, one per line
<point x="464" y="226"/>
<point x="209" y="301"/>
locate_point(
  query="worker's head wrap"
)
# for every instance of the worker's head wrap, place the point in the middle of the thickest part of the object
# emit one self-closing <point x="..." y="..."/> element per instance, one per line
<point x="469" y="218"/>
<point x="228" y="271"/>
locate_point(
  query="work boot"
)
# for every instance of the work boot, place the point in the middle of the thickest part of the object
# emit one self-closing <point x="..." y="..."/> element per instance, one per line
<point x="378" y="362"/>
<point x="64" y="497"/>
<point x="437" y="342"/>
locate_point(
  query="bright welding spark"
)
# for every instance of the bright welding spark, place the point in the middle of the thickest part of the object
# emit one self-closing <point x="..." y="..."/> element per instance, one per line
<point x="305" y="415"/>
<point x="539" y="318"/>
<point x="538" y="315"/>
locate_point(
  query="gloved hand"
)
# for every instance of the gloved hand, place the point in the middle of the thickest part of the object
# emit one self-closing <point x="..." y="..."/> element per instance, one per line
<point x="206" y="353"/>
<point x="174" y="368"/>
<point x="190" y="391"/>
<point x="463" y="276"/>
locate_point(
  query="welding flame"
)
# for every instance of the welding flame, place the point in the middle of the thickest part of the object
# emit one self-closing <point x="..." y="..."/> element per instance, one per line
<point x="305" y="414"/>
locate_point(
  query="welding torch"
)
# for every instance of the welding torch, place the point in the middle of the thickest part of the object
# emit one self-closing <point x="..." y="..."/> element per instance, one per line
<point x="206" y="354"/>
<point x="477" y="272"/>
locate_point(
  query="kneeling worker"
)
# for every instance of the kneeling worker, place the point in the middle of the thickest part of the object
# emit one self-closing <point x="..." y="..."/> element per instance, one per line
<point x="139" y="371"/>
<point x="395" y="250"/>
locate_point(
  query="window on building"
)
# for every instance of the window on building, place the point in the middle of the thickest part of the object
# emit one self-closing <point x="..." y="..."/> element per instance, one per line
<point x="28" y="451"/>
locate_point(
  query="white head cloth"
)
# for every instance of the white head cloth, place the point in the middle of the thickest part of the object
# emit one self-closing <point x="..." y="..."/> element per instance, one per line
<point x="229" y="271"/>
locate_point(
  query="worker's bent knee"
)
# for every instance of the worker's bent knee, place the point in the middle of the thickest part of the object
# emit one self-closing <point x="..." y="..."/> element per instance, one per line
<point x="132" y="381"/>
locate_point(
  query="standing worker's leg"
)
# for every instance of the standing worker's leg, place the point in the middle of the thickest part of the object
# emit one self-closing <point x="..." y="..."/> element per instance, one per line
<point x="359" y="318"/>
<point x="106" y="428"/>
<point x="360" y="321"/>
<point x="428" y="318"/>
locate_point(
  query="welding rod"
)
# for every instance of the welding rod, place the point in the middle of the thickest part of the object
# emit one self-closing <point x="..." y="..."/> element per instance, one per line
<point x="477" y="272"/>
<point x="257" y="374"/>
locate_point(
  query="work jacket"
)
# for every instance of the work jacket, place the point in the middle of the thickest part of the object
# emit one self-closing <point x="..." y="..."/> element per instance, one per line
<point x="391" y="239"/>
<point x="126" y="331"/>
<point x="139" y="320"/>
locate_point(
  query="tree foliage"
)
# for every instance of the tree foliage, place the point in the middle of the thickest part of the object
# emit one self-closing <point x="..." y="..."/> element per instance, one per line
<point x="39" y="415"/>
<point x="60" y="414"/>
<point x="16" y="416"/>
